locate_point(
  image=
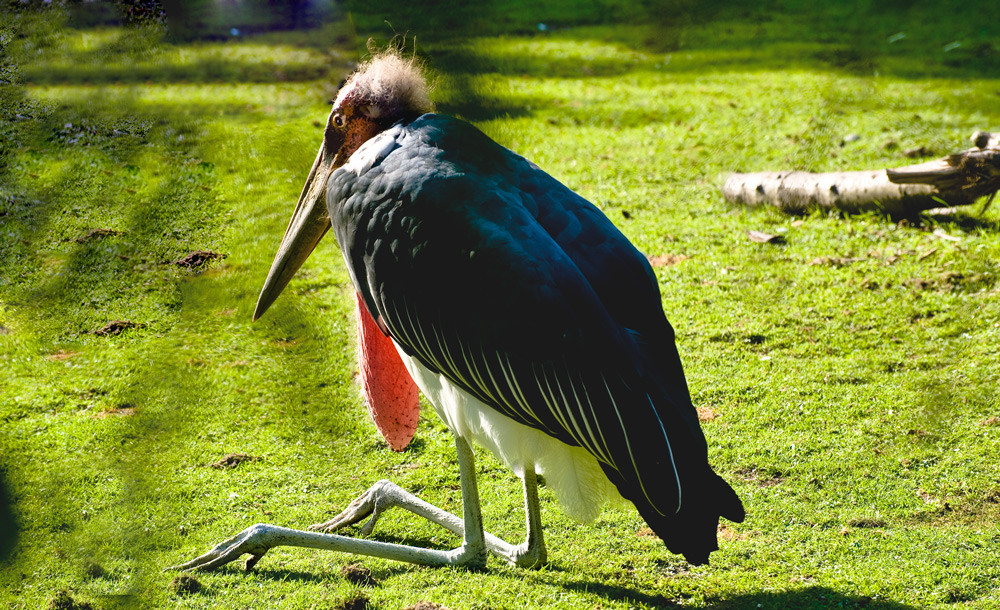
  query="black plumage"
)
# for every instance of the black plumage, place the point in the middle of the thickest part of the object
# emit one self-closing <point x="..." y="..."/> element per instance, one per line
<point x="489" y="271"/>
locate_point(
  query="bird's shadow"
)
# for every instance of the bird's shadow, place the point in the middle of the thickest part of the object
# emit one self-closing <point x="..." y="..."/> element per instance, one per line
<point x="278" y="574"/>
<point x="284" y="574"/>
<point x="808" y="597"/>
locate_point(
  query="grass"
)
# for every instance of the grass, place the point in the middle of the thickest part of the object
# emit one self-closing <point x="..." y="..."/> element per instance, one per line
<point x="847" y="378"/>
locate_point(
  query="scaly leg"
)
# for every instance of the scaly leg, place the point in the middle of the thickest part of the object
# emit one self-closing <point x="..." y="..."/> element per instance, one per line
<point x="531" y="553"/>
<point x="384" y="495"/>
<point x="260" y="538"/>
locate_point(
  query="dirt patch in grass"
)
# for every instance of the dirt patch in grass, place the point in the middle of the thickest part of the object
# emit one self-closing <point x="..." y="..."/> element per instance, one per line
<point x="123" y="410"/>
<point x="185" y="584"/>
<point x="422" y="605"/>
<point x="727" y="533"/>
<point x="233" y="460"/>
<point x="760" y="476"/>
<point x="358" y="601"/>
<point x="665" y="260"/>
<point x="197" y="259"/>
<point x="735" y="337"/>
<point x="707" y="414"/>
<point x="62" y="600"/>
<point x="116" y="327"/>
<point x="358" y="574"/>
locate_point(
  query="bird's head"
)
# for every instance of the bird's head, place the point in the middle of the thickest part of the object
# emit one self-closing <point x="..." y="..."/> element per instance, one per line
<point x="381" y="92"/>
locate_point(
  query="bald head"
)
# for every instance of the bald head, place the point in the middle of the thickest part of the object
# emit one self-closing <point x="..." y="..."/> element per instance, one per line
<point x="387" y="88"/>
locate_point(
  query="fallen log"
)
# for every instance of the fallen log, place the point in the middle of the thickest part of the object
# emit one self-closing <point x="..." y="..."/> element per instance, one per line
<point x="956" y="180"/>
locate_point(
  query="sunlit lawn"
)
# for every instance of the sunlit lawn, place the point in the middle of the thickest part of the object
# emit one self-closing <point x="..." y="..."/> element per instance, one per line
<point x="847" y="379"/>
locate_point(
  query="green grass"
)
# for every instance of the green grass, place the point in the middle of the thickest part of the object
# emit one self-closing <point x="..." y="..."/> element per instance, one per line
<point x="848" y="377"/>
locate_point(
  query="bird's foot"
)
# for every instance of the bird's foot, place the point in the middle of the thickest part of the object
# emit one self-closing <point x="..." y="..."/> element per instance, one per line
<point x="255" y="540"/>
<point x="385" y="494"/>
<point x="524" y="555"/>
<point x="259" y="539"/>
<point x="379" y="497"/>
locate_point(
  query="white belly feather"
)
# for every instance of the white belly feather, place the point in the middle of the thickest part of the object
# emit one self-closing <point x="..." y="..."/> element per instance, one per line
<point x="572" y="474"/>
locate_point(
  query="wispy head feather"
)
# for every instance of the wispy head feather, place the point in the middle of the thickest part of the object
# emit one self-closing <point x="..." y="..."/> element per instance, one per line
<point x="390" y="86"/>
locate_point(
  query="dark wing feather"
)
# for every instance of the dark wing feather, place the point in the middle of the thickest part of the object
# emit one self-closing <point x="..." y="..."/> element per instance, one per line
<point x="491" y="272"/>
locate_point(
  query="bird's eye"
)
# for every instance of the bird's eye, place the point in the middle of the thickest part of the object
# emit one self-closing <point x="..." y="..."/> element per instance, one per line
<point x="338" y="120"/>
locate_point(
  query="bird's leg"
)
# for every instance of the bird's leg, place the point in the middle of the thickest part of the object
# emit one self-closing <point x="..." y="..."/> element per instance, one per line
<point x="385" y="494"/>
<point x="530" y="553"/>
<point x="473" y="537"/>
<point x="257" y="539"/>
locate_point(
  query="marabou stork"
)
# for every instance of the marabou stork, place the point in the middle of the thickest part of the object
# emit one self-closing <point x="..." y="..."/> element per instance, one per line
<point x="529" y="321"/>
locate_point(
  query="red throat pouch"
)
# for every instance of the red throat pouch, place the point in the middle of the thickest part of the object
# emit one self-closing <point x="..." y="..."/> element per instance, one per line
<point x="390" y="393"/>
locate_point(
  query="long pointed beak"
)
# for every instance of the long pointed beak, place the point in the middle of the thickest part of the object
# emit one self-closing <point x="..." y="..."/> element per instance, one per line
<point x="308" y="225"/>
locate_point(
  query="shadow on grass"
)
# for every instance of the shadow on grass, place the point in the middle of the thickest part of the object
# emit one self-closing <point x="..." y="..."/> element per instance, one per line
<point x="62" y="269"/>
<point x="279" y="575"/>
<point x="92" y="68"/>
<point x="968" y="220"/>
<point x="810" y="597"/>
<point x="952" y="39"/>
<point x="697" y="38"/>
<point x="462" y="96"/>
<point x="8" y="524"/>
<point x="102" y="162"/>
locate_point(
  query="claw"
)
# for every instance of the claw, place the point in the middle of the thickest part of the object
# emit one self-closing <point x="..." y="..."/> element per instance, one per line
<point x="253" y="540"/>
<point x="373" y="502"/>
<point x="252" y="561"/>
<point x="369" y="525"/>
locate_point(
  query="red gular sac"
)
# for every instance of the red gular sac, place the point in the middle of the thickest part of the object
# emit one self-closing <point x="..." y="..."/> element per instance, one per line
<point x="390" y="393"/>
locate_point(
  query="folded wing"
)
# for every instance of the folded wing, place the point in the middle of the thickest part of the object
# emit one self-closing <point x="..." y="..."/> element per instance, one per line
<point x="491" y="272"/>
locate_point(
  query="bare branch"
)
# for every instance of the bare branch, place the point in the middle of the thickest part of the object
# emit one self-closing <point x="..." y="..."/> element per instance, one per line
<point x="956" y="180"/>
